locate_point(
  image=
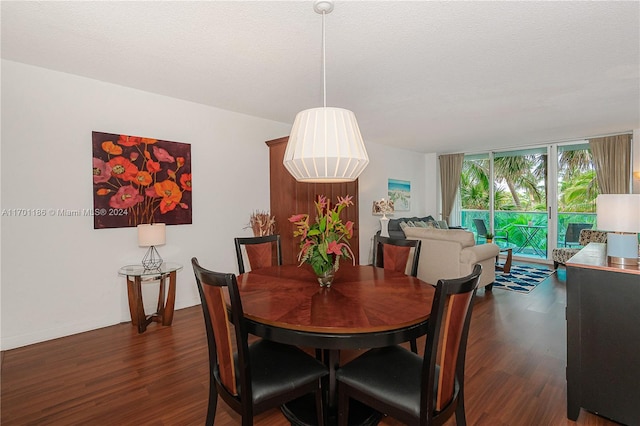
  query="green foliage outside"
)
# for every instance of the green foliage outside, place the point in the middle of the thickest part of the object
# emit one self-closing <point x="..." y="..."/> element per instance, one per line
<point x="520" y="192"/>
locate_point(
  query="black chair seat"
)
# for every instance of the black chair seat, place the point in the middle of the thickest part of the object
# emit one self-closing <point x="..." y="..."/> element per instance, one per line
<point x="290" y="365"/>
<point x="398" y="384"/>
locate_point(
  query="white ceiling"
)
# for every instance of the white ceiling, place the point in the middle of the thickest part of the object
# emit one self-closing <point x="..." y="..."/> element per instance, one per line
<point x="423" y="75"/>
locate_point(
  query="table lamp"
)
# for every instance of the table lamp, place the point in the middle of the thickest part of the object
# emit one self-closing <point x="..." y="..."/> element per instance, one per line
<point x="383" y="207"/>
<point x="620" y="214"/>
<point x="151" y="235"/>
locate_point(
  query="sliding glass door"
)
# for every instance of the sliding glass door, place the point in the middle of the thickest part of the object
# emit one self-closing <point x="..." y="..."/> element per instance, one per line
<point x="577" y="190"/>
<point x="532" y="200"/>
<point x="520" y="200"/>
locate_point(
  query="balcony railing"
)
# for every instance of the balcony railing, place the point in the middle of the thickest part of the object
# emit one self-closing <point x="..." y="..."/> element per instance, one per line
<point x="527" y="230"/>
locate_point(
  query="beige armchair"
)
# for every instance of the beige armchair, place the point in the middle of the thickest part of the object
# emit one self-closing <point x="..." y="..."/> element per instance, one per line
<point x="451" y="253"/>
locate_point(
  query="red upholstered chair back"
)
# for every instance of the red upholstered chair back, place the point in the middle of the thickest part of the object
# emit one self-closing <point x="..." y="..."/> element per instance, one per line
<point x="216" y="308"/>
<point x="218" y="318"/>
<point x="394" y="254"/>
<point x="261" y="252"/>
<point x="446" y="344"/>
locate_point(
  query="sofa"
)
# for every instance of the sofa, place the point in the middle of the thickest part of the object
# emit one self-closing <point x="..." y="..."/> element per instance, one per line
<point x="397" y="225"/>
<point x="451" y="253"/>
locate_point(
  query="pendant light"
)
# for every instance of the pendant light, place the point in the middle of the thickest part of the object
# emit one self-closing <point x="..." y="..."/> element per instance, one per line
<point x="325" y="144"/>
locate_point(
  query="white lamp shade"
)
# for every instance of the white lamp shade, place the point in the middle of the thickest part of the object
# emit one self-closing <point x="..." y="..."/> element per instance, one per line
<point x="151" y="234"/>
<point x="618" y="212"/>
<point x="325" y="145"/>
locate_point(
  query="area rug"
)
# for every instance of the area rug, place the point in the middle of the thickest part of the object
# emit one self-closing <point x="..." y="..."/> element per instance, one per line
<point x="521" y="278"/>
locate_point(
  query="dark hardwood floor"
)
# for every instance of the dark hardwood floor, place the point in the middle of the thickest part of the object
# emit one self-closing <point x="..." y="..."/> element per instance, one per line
<point x="114" y="376"/>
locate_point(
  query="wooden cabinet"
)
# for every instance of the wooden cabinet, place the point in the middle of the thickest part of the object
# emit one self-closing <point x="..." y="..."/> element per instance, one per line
<point x="289" y="197"/>
<point x="603" y="337"/>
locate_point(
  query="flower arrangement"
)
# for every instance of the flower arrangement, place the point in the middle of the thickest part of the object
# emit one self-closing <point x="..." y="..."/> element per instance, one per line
<point x="324" y="243"/>
<point x="140" y="176"/>
<point x="262" y="223"/>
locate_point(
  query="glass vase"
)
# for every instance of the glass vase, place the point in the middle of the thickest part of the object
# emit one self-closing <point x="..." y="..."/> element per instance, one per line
<point x="326" y="279"/>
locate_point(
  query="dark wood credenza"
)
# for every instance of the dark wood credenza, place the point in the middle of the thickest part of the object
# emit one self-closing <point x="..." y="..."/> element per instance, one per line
<point x="603" y="337"/>
<point x="289" y="197"/>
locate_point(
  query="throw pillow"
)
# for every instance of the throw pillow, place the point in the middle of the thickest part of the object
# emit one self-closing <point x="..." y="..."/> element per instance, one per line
<point x="403" y="225"/>
<point x="411" y="223"/>
<point x="421" y="224"/>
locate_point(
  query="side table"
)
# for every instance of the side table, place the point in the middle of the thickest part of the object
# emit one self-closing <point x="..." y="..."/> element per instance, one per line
<point x="136" y="274"/>
<point x="506" y="266"/>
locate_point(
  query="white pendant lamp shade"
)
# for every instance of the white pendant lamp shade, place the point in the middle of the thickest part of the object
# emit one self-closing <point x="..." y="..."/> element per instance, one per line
<point x="325" y="145"/>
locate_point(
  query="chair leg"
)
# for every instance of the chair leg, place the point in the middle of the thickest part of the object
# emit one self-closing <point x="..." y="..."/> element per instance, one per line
<point x="213" y="403"/>
<point x="488" y="287"/>
<point x="555" y="265"/>
<point x="461" y="419"/>
<point x="414" y="346"/>
<point x="343" y="406"/>
<point x="319" y="406"/>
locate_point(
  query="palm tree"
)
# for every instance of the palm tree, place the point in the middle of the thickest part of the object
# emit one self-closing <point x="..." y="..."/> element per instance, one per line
<point x="520" y="172"/>
<point x="578" y="194"/>
<point x="575" y="161"/>
<point x="474" y="184"/>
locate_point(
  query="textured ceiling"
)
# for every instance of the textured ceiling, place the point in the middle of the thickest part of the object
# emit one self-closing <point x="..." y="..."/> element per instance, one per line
<point x="423" y="75"/>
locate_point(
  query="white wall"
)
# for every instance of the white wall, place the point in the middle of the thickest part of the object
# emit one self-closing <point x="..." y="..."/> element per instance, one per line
<point x="58" y="274"/>
<point x="385" y="163"/>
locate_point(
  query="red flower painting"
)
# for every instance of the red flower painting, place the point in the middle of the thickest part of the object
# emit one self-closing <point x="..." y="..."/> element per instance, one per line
<point x="140" y="180"/>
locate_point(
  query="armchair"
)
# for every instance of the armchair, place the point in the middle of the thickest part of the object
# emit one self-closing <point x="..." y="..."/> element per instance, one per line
<point x="561" y="255"/>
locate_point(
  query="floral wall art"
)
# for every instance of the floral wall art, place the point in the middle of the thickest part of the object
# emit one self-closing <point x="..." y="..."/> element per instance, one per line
<point x="140" y="180"/>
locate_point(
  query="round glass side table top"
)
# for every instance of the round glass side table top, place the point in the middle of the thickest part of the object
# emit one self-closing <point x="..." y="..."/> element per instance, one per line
<point x="140" y="271"/>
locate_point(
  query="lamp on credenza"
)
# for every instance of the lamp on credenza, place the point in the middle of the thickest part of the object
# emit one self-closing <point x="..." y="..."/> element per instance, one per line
<point x="151" y="235"/>
<point x="383" y="207"/>
<point x="620" y="214"/>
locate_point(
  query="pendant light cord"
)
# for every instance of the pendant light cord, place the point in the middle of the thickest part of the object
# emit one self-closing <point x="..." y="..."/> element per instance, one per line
<point x="324" y="69"/>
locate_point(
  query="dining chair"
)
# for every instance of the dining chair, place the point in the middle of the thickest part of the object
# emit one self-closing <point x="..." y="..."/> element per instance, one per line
<point x="418" y="390"/>
<point x="259" y="251"/>
<point x="255" y="377"/>
<point x="482" y="231"/>
<point x="393" y="254"/>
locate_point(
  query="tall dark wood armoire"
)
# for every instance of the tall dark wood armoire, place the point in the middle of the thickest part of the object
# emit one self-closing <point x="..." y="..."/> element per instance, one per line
<point x="289" y="197"/>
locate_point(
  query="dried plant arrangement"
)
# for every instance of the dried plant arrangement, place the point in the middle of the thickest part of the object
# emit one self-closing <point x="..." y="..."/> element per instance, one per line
<point x="262" y="223"/>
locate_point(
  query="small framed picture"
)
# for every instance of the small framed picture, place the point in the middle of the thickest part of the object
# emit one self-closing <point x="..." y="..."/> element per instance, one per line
<point x="400" y="194"/>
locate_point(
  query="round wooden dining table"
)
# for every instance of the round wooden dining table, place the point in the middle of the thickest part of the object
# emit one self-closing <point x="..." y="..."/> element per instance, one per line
<point x="365" y="307"/>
